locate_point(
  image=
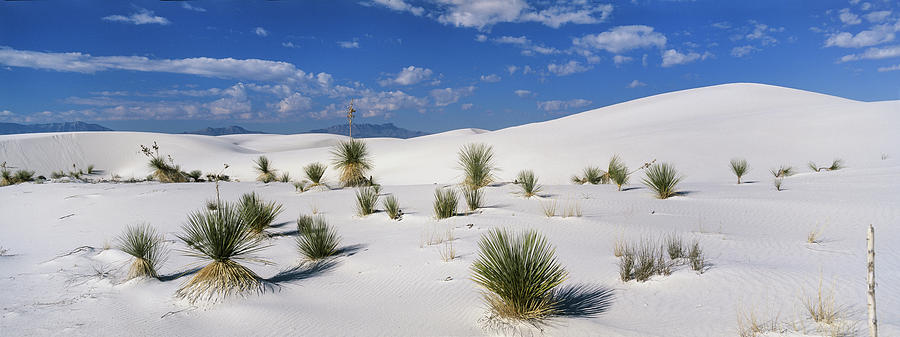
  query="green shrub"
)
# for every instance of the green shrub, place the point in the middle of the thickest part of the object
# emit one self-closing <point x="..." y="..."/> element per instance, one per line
<point x="392" y="207"/>
<point x="366" y="199"/>
<point x="476" y="160"/>
<point x="258" y="214"/>
<point x="265" y="170"/>
<point x="146" y="246"/>
<point x="529" y="183"/>
<point x="352" y="159"/>
<point x="316" y="240"/>
<point x="663" y="179"/>
<point x="739" y="168"/>
<point x="445" y="203"/>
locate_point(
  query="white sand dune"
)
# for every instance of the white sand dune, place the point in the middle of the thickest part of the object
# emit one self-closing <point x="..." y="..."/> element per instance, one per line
<point x="389" y="285"/>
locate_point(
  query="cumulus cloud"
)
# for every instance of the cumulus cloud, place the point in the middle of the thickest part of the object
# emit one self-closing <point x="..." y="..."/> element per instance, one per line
<point x="763" y="33"/>
<point x="619" y="59"/>
<point x="557" y="105"/>
<point x="141" y="17"/>
<point x="482" y="14"/>
<point x="622" y="38"/>
<point x="874" y="54"/>
<point x="878" y="17"/>
<point x="296" y="102"/>
<point x="467" y="106"/>
<point x="511" y="69"/>
<point x="236" y="102"/>
<point x="408" y="76"/>
<point x="396" y="5"/>
<point x="490" y="78"/>
<point x="635" y="84"/>
<point x="481" y="37"/>
<point x="261" y="31"/>
<point x="447" y="96"/>
<point x="875" y="35"/>
<point x="568" y="68"/>
<point x="672" y="57"/>
<point x="848" y="18"/>
<point x="522" y="93"/>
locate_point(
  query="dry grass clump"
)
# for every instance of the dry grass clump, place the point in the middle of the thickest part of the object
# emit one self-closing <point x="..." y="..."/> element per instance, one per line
<point x="696" y="259"/>
<point x="642" y="261"/>
<point x="529" y="183"/>
<point x="447" y="251"/>
<point x="739" y="168"/>
<point x="519" y="273"/>
<point x="265" y="170"/>
<point x="285" y="177"/>
<point x="316" y="240"/>
<point x="223" y="238"/>
<point x="663" y="179"/>
<point x="146" y="246"/>
<point x="352" y="159"/>
<point x="549" y="207"/>
<point x="434" y="236"/>
<point x="445" y="203"/>
<point x="751" y="325"/>
<point x="314" y="172"/>
<point x="571" y="208"/>
<point x="258" y="214"/>
<point x="366" y="199"/>
<point x="814" y="236"/>
<point x="392" y="207"/>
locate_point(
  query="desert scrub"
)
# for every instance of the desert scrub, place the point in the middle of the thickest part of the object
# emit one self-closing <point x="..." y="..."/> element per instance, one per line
<point x="647" y="258"/>
<point x="314" y="172"/>
<point x="7" y="177"/>
<point x="316" y="240"/>
<point x="223" y="238"/>
<point x="519" y="273"/>
<point x="782" y="171"/>
<point x="352" y="159"/>
<point x="474" y="197"/>
<point x="739" y="168"/>
<point x="663" y="179"/>
<point x="392" y="207"/>
<point x="529" y="183"/>
<point x="675" y="246"/>
<point x="445" y="203"/>
<point x="265" y="170"/>
<point x="146" y="246"/>
<point x="590" y="175"/>
<point x="163" y="168"/>
<point x="366" y="199"/>
<point x="257" y="213"/>
<point x="476" y="160"/>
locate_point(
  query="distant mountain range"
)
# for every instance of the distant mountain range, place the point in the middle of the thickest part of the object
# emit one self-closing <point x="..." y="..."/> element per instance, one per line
<point x="371" y="131"/>
<point x="13" y="128"/>
<point x="230" y="130"/>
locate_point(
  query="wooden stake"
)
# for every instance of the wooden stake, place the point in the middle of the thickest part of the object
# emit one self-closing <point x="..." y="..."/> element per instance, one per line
<point x="870" y="294"/>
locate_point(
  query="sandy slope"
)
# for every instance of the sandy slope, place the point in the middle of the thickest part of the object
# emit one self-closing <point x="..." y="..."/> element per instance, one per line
<point x="390" y="285"/>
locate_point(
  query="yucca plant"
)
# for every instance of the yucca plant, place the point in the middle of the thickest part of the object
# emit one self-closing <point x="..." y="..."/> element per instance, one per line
<point x="258" y="214"/>
<point x="474" y="198"/>
<point x="782" y="171"/>
<point x="590" y="175"/>
<point x="314" y="173"/>
<point x="195" y="175"/>
<point x="739" y="168"/>
<point x="618" y="172"/>
<point x="301" y="186"/>
<point x="265" y="170"/>
<point x="663" y="179"/>
<point x="147" y="246"/>
<point x="366" y="199"/>
<point x="528" y="183"/>
<point x="90" y="169"/>
<point x="316" y="240"/>
<point x="392" y="207"/>
<point x="476" y="160"/>
<point x="163" y="171"/>
<point x="445" y="203"/>
<point x="813" y="166"/>
<point x="519" y="273"/>
<point x="352" y="159"/>
<point x="836" y="164"/>
<point x="285" y="177"/>
<point x="223" y="238"/>
<point x="7" y="178"/>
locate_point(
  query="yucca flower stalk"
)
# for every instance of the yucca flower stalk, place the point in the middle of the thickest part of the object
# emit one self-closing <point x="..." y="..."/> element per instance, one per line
<point x="663" y="179"/>
<point x="146" y="246"/>
<point x="352" y="159"/>
<point x="476" y="160"/>
<point x="265" y="170"/>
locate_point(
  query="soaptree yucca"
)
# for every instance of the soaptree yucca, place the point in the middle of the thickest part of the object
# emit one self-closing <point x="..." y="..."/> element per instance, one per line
<point x="519" y="273"/>
<point x="474" y="197"/>
<point x="265" y="170"/>
<point x="146" y="246"/>
<point x="591" y="175"/>
<point x="476" y="160"/>
<point x="392" y="207"/>
<point x="663" y="179"/>
<point x="739" y="168"/>
<point x="316" y="240"/>
<point x="223" y="238"/>
<point x="617" y="172"/>
<point x="352" y="159"/>
<point x="529" y="183"/>
<point x="445" y="203"/>
<point x="314" y="173"/>
<point x="257" y="213"/>
<point x="366" y="199"/>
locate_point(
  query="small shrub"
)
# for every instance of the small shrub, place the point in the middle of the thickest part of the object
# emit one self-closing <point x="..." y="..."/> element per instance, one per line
<point x="265" y="170"/>
<point x="549" y="208"/>
<point x="591" y="175"/>
<point x="285" y="177"/>
<point x="445" y="203"/>
<point x="528" y="183"/>
<point x="626" y="266"/>
<point x="392" y="207"/>
<point x="314" y="172"/>
<point x="366" y="199"/>
<point x="663" y="179"/>
<point x="476" y="160"/>
<point x="146" y="246"/>
<point x="474" y="197"/>
<point x="258" y="214"/>
<point x="646" y="258"/>
<point x="783" y="171"/>
<point x="352" y="159"/>
<point x="812" y="166"/>
<point x="20" y="176"/>
<point x="519" y="273"/>
<point x="217" y="177"/>
<point x="212" y="205"/>
<point x="316" y="240"/>
<point x="777" y="182"/>
<point x="164" y="168"/>
<point x="739" y="168"/>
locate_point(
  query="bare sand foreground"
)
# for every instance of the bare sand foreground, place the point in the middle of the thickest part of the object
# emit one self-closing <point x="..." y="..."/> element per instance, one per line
<point x="60" y="273"/>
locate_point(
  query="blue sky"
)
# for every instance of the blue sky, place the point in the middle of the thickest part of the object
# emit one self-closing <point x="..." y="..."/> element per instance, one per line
<point x="433" y="65"/>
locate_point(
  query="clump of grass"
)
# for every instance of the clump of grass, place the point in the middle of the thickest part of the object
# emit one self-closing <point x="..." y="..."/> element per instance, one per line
<point x="663" y="179"/>
<point x="366" y="199"/>
<point x="316" y="240"/>
<point x="619" y="247"/>
<point x="739" y="168"/>
<point x="626" y="266"/>
<point x="447" y="251"/>
<point x="529" y="183"/>
<point x="675" y="246"/>
<point x="750" y="325"/>
<point x="146" y="246"/>
<point x="642" y="261"/>
<point x="301" y="186"/>
<point x="549" y="208"/>
<point x="696" y="258"/>
<point x="591" y="175"/>
<point x="445" y="203"/>
<point x="352" y="159"/>
<point x="783" y="171"/>
<point x="812" y="166"/>
<point x="258" y="214"/>
<point x="476" y="160"/>
<point x="223" y="238"/>
<point x="822" y="307"/>
<point x="777" y="182"/>
<point x="519" y="273"/>
<point x="314" y="172"/>
<point x="433" y="235"/>
<point x="57" y="174"/>
<point x="265" y="170"/>
<point x="617" y="172"/>
<point x="212" y="205"/>
<point x="392" y="207"/>
<point x="572" y="208"/>
<point x="836" y="164"/>
<point x="474" y="197"/>
<point x="813" y="236"/>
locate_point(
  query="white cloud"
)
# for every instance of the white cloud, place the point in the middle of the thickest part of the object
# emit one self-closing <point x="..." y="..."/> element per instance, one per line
<point x="865" y="6"/>
<point x="261" y="31"/>
<point x="874" y="54"/>
<point x="761" y="32"/>
<point x="559" y="15"/>
<point x="875" y="35"/>
<point x="511" y="69"/>
<point x="235" y="102"/>
<point x="408" y="76"/>
<point x="296" y="102"/>
<point x="635" y="84"/>
<point x="141" y="17"/>
<point x="619" y="59"/>
<point x="557" y="105"/>
<point x="482" y="14"/>
<point x="569" y="68"/>
<point x="349" y="44"/>
<point x="742" y="51"/>
<point x="848" y="18"/>
<point x="467" y="106"/>
<point x="672" y="57"/>
<point x="188" y="6"/>
<point x="289" y="44"/>
<point x="722" y="25"/>
<point x="878" y="17"/>
<point x="398" y="5"/>
<point x="490" y="78"/>
<point x="481" y="37"/>
<point x="522" y="93"/>
<point x="528" y="47"/>
<point x="891" y="68"/>
<point x="622" y="38"/>
<point x="447" y="96"/>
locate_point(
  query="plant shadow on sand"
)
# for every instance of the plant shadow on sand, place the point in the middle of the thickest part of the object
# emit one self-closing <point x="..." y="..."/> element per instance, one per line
<point x="583" y="300"/>
<point x="175" y="276"/>
<point x="309" y="269"/>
